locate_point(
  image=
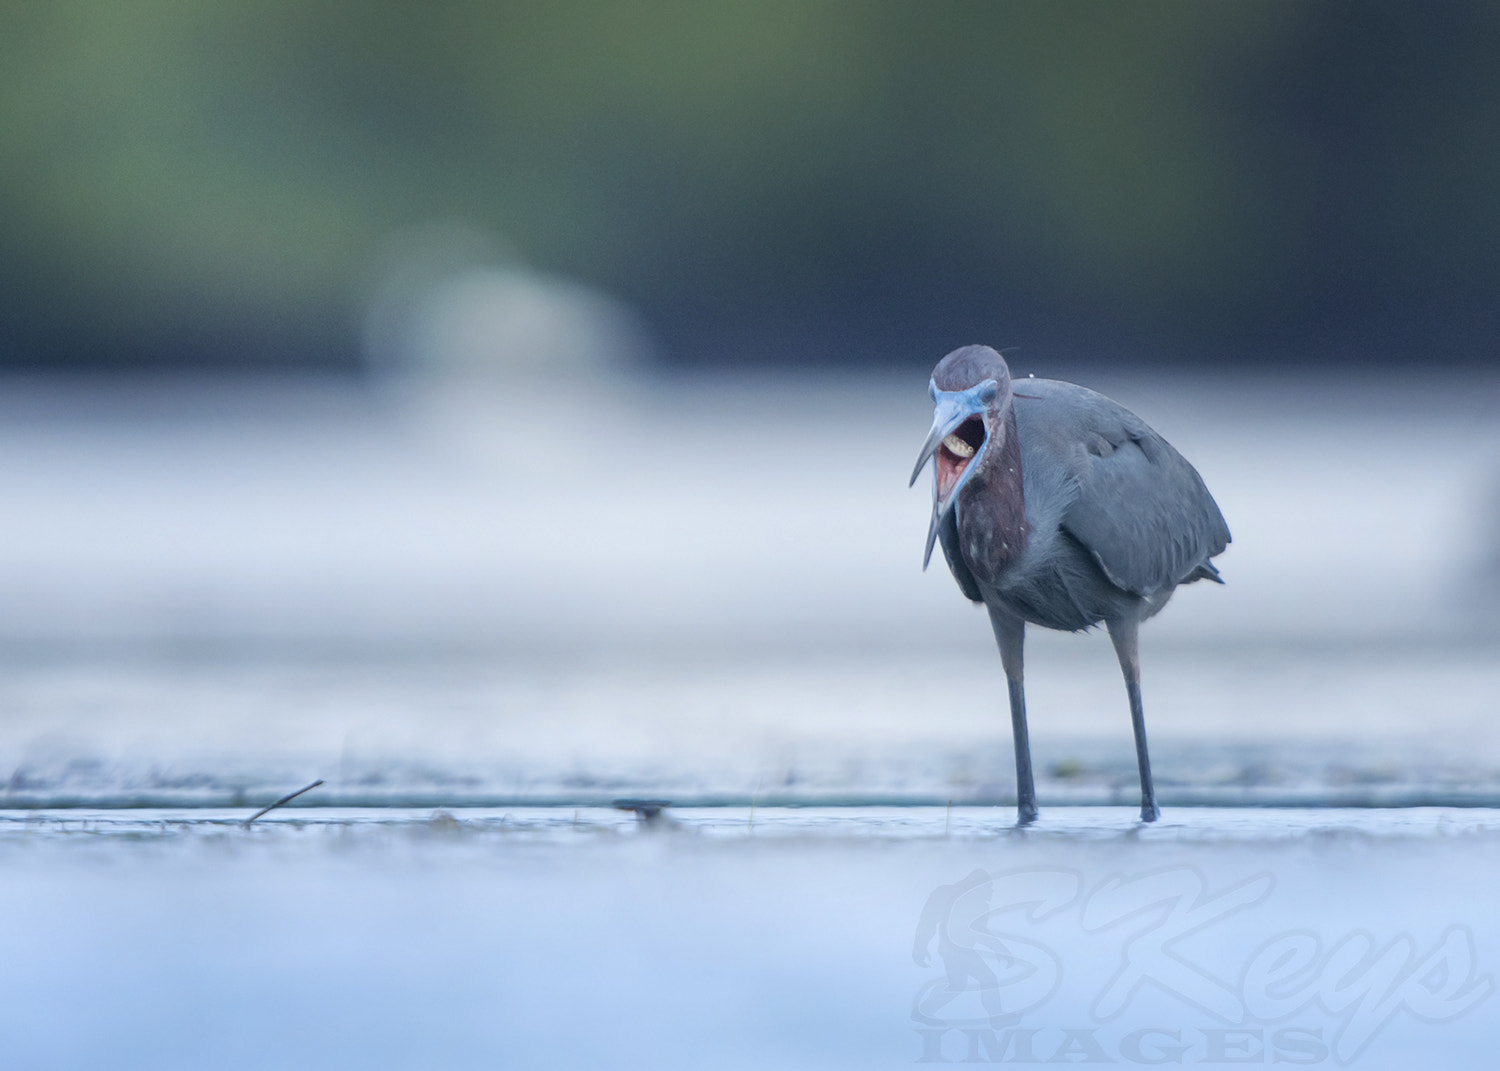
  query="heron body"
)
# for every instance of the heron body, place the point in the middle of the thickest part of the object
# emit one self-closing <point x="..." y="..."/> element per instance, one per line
<point x="1058" y="507"/>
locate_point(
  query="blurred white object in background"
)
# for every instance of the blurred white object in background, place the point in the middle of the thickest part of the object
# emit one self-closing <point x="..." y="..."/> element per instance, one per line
<point x="452" y="301"/>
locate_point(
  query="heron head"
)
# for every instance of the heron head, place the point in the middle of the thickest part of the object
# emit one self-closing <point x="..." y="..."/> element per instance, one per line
<point x="971" y="391"/>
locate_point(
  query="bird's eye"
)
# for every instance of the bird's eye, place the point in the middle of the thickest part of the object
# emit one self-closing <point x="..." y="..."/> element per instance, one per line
<point x="987" y="391"/>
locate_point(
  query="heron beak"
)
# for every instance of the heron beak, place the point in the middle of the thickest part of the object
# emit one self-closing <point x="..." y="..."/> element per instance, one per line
<point x="955" y="444"/>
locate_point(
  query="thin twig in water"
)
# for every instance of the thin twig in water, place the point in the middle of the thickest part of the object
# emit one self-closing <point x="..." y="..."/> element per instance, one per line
<point x="284" y="799"/>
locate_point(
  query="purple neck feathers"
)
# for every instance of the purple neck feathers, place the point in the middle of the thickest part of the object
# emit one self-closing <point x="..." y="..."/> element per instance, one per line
<point x="992" y="529"/>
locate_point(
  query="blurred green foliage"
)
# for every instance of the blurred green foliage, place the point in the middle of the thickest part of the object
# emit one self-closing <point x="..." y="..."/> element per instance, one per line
<point x="819" y="180"/>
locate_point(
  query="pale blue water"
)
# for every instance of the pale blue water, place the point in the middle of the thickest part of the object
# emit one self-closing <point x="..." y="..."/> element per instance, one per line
<point x="549" y="939"/>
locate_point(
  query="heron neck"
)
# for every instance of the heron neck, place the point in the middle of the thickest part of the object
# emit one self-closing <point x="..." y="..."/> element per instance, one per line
<point x="992" y="525"/>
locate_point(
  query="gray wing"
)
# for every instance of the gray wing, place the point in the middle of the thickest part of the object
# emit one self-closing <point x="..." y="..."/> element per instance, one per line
<point x="1135" y="504"/>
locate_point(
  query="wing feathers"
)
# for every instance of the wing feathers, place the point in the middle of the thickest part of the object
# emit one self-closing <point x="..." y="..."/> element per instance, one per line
<point x="1134" y="502"/>
<point x="1144" y="515"/>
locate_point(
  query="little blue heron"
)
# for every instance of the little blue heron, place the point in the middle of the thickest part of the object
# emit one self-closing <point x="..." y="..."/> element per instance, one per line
<point x="1057" y="506"/>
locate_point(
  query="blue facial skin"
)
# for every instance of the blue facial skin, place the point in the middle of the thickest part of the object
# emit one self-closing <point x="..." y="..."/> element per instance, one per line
<point x="953" y="407"/>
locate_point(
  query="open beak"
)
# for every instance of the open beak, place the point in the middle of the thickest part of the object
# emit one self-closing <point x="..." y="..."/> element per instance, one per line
<point x="954" y="445"/>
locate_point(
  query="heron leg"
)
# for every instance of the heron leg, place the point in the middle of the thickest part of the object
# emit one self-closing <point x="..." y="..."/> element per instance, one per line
<point x="1010" y="634"/>
<point x="1125" y="634"/>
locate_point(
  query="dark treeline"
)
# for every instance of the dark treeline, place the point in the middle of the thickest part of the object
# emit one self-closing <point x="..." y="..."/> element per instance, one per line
<point x="790" y="181"/>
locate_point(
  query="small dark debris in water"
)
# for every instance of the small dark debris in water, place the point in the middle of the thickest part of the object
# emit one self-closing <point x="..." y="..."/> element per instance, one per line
<point x="648" y="811"/>
<point x="1068" y="769"/>
<point x="284" y="800"/>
